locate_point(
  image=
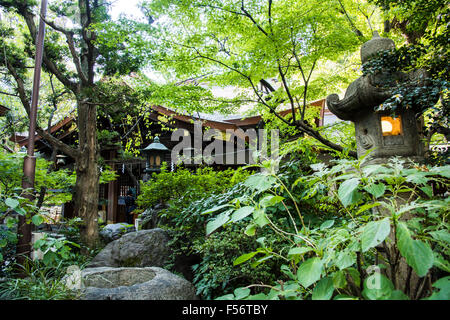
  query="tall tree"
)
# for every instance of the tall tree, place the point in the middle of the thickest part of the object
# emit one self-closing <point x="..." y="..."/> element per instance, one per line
<point x="280" y="54"/>
<point x="71" y="56"/>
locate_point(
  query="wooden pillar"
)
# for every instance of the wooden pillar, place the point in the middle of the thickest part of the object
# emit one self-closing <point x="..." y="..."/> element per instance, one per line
<point x="113" y="193"/>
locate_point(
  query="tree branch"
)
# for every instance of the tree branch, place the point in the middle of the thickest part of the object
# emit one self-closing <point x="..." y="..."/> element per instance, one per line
<point x="68" y="150"/>
<point x="355" y="29"/>
<point x="248" y="15"/>
<point x="9" y="94"/>
<point x="29" y="19"/>
<point x="73" y="52"/>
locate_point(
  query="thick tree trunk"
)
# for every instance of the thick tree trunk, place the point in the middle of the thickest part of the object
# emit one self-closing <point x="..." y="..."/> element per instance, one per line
<point x="87" y="183"/>
<point x="86" y="202"/>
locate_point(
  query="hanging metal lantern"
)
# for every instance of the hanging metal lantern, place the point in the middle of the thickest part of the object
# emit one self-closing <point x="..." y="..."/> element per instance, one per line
<point x="155" y="153"/>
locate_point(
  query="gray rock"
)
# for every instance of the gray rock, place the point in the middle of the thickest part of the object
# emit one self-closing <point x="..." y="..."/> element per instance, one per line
<point x="151" y="218"/>
<point x="114" y="231"/>
<point x="134" y="284"/>
<point x="145" y="248"/>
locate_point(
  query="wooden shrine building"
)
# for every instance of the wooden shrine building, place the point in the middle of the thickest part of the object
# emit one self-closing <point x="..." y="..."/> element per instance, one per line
<point x="131" y="171"/>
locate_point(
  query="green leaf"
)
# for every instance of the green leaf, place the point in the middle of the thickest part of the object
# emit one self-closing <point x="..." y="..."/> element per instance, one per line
<point x="367" y="206"/>
<point x="441" y="235"/>
<point x="37" y="219"/>
<point x="398" y="295"/>
<point x="418" y="254"/>
<point x="299" y="251"/>
<point x="339" y="280"/>
<point x="348" y="192"/>
<point x="374" y="233"/>
<point x="354" y="274"/>
<point x="250" y="230"/>
<point x="3" y="243"/>
<point x="241" y="213"/>
<point x="344" y="297"/>
<point x="377" y="287"/>
<point x="427" y="190"/>
<point x="441" y="263"/>
<point x="345" y="259"/>
<point x="241" y="293"/>
<point x="226" y="297"/>
<point x="376" y="189"/>
<point x="20" y="211"/>
<point x="12" y="203"/>
<point x="309" y="271"/>
<point x="443" y="171"/>
<point x="270" y="200"/>
<point x="260" y="217"/>
<point x="216" y="223"/>
<point x="323" y="290"/>
<point x="244" y="257"/>
<point x="327" y="224"/>
<point x="260" y="260"/>
<point x="418" y="177"/>
<point x="287" y="271"/>
<point x="217" y="208"/>
<point x="260" y="182"/>
<point x="444" y="293"/>
<point x="259" y="296"/>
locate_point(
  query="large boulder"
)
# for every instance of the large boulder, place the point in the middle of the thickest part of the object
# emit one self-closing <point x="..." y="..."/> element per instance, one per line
<point x="114" y="231"/>
<point x="151" y="283"/>
<point x="144" y="248"/>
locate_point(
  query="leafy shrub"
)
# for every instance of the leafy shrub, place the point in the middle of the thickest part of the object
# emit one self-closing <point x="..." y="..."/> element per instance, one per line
<point x="41" y="283"/>
<point x="193" y="234"/>
<point x="216" y="274"/>
<point x="376" y="214"/>
<point x="184" y="186"/>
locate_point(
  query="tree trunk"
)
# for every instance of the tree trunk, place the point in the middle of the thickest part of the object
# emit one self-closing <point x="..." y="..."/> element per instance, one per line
<point x="86" y="167"/>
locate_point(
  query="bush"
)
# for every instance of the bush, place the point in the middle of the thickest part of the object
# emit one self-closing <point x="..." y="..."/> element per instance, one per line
<point x="215" y="273"/>
<point x="185" y="186"/>
<point x="41" y="283"/>
<point x="374" y="215"/>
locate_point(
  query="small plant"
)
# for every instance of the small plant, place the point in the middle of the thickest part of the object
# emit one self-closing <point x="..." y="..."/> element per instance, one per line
<point x="41" y="283"/>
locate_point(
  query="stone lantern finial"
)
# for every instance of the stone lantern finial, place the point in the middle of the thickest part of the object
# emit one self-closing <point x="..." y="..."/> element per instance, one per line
<point x="375" y="45"/>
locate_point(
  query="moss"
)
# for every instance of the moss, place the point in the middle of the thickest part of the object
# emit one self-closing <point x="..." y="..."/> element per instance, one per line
<point x="131" y="262"/>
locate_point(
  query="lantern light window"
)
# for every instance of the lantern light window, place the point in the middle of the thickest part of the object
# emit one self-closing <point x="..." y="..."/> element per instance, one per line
<point x="391" y="126"/>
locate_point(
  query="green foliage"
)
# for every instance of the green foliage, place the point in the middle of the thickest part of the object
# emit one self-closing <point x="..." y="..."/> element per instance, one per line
<point x="55" y="250"/>
<point x="187" y="195"/>
<point x="184" y="186"/>
<point x="329" y="254"/>
<point x="275" y="56"/>
<point x="45" y="277"/>
<point x="216" y="273"/>
<point x="424" y="23"/>
<point x="41" y="283"/>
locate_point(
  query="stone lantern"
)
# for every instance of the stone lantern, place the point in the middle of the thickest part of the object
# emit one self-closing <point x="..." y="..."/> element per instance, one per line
<point x="155" y="153"/>
<point x="386" y="134"/>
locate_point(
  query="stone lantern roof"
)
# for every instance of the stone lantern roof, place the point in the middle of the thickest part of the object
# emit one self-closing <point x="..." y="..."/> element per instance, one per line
<point x="366" y="92"/>
<point x="375" y="45"/>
